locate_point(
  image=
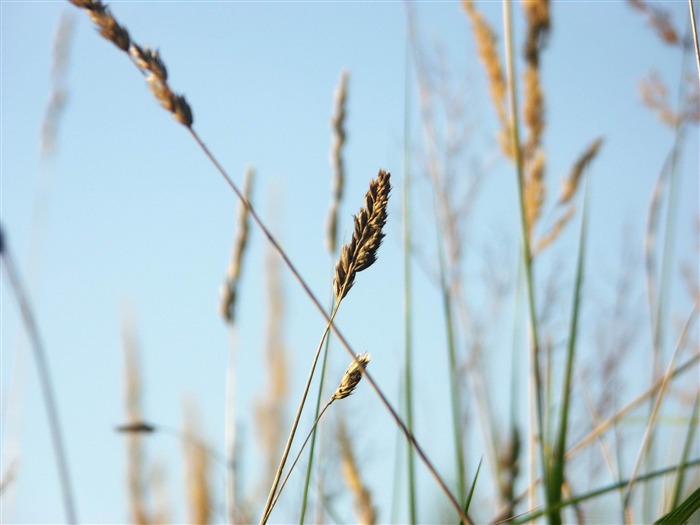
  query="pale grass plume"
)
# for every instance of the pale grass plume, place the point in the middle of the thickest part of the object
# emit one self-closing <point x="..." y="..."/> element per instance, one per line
<point x="196" y="469"/>
<point x="654" y="94"/>
<point x="533" y="111"/>
<point x="364" y="507"/>
<point x="361" y="252"/>
<point x="535" y="191"/>
<point x="229" y="289"/>
<point x="486" y="42"/>
<point x="660" y="20"/>
<point x="548" y="238"/>
<point x="337" y="163"/>
<point x="538" y="24"/>
<point x="571" y="183"/>
<point x="59" y="94"/>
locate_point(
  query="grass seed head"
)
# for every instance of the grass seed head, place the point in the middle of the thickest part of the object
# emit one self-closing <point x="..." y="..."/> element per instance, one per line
<point x="361" y="252"/>
<point x="352" y="376"/>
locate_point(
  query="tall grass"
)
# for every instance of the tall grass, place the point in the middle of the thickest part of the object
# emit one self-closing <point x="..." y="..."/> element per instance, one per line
<point x="549" y="442"/>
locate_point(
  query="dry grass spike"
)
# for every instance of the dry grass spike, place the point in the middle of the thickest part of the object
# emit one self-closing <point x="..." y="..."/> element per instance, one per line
<point x="364" y="508"/>
<point x="229" y="289"/>
<point x="145" y="59"/>
<point x="352" y="376"/>
<point x="105" y="21"/>
<point x="361" y="252"/>
<point x="339" y="136"/>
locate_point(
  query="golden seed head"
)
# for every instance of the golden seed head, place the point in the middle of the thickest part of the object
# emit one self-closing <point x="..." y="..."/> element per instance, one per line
<point x="352" y="376"/>
<point x="361" y="252"/>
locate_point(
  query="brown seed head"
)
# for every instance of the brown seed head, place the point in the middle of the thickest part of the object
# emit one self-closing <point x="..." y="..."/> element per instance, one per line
<point x="352" y="376"/>
<point x="361" y="252"/>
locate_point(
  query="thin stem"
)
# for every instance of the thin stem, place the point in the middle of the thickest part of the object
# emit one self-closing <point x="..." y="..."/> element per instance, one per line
<point x="271" y="496"/>
<point x="296" y="459"/>
<point x="47" y="389"/>
<point x="407" y="312"/>
<point x="318" y="412"/>
<point x="525" y="240"/>
<point x="694" y="30"/>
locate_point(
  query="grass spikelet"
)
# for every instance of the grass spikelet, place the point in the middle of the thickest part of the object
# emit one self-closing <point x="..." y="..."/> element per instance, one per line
<point x="196" y="470"/>
<point x="339" y="136"/>
<point x="352" y="376"/>
<point x="535" y="191"/>
<point x="533" y="111"/>
<point x="571" y="183"/>
<point x="361" y="252"/>
<point x="537" y="14"/>
<point x="488" y="54"/>
<point x="102" y="17"/>
<point x="229" y="289"/>
<point x="147" y="60"/>
<point x="364" y="509"/>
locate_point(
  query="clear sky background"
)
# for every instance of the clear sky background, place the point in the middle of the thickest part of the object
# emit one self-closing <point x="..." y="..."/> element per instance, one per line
<point x="131" y="219"/>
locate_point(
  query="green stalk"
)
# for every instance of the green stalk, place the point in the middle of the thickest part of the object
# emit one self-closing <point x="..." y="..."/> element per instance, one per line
<point x="312" y="447"/>
<point x="601" y="492"/>
<point x="689" y="442"/>
<point x="454" y="393"/>
<point x="525" y="241"/>
<point x="408" y="336"/>
<point x="559" y="453"/>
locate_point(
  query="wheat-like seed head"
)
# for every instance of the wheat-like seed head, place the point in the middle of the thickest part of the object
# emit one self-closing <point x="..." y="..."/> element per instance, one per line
<point x="361" y="252"/>
<point x="107" y="24"/>
<point x="352" y="376"/>
<point x="533" y="111"/>
<point x="488" y="54"/>
<point x="146" y="59"/>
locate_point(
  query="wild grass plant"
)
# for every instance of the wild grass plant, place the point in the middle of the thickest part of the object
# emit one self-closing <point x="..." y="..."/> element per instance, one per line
<point x="571" y="456"/>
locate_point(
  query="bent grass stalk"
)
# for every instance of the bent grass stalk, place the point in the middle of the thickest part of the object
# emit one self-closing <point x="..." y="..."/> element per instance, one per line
<point x="181" y="111"/>
<point x="47" y="389"/>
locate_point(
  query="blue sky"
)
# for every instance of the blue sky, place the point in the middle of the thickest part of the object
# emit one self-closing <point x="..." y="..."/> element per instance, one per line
<point x="132" y="218"/>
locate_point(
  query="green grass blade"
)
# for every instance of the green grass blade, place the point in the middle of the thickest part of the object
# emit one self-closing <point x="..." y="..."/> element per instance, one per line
<point x="559" y="453"/>
<point x="683" y="512"/>
<point x="525" y="518"/>
<point x="687" y="447"/>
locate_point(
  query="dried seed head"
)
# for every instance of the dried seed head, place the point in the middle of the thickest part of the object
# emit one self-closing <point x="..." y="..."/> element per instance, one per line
<point x="148" y="59"/>
<point x="361" y="252"/>
<point x="352" y="376"/>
